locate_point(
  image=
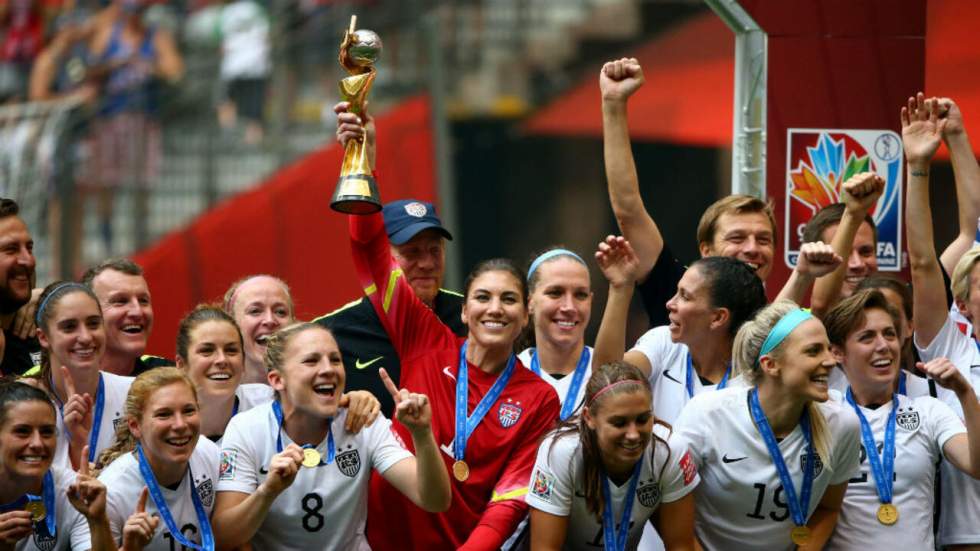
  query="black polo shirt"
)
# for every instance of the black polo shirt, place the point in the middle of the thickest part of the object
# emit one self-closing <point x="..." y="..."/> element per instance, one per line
<point x="19" y="355"/>
<point x="148" y="362"/>
<point x="365" y="346"/>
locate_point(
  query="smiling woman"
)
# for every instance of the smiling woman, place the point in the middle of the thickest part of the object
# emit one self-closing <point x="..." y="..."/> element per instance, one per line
<point x="260" y="304"/>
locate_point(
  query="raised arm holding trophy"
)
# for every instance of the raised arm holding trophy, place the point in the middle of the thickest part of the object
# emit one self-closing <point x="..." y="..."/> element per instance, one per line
<point x="357" y="192"/>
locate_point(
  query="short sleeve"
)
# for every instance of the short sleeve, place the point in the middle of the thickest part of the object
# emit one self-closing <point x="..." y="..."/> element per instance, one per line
<point x="689" y="429"/>
<point x="552" y="483"/>
<point x="847" y="452"/>
<point x="680" y="475"/>
<point x="386" y="449"/>
<point x="943" y="422"/>
<point x="653" y="345"/>
<point x="238" y="466"/>
<point x="116" y="508"/>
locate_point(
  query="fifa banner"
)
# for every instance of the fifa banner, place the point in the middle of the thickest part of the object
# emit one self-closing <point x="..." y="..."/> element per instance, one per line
<point x="819" y="161"/>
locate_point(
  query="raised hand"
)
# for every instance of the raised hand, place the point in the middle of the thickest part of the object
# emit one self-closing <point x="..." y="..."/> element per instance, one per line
<point x="922" y="130"/>
<point x="817" y="259"/>
<point x="618" y="261"/>
<point x="946" y="375"/>
<point x="87" y="494"/>
<point x="362" y="409"/>
<point x="949" y="111"/>
<point x="140" y="526"/>
<point x="283" y="468"/>
<point x="619" y="79"/>
<point x="861" y="191"/>
<point x="77" y="411"/>
<point x="411" y="409"/>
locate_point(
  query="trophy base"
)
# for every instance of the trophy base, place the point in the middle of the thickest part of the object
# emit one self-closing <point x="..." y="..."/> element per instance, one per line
<point x="356" y="194"/>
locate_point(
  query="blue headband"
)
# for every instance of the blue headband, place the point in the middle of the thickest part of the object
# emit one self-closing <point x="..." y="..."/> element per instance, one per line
<point x="548" y="256"/>
<point x="44" y="303"/>
<point x="782" y="329"/>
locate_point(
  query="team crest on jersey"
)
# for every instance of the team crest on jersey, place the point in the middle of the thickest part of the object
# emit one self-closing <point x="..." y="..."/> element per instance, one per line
<point x="36" y="358"/>
<point x="43" y="540"/>
<point x="349" y="462"/>
<point x="205" y="491"/>
<point x="226" y="471"/>
<point x="415" y="209"/>
<point x="908" y="419"/>
<point x="649" y="494"/>
<point x="817" y="463"/>
<point x="509" y="413"/>
<point x="117" y="421"/>
<point x="542" y="485"/>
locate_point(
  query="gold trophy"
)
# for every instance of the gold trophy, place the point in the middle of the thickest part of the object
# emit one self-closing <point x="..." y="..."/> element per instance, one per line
<point x="357" y="192"/>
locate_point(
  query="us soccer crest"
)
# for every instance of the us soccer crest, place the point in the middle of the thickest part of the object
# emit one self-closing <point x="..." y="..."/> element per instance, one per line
<point x="817" y="463"/>
<point x="349" y="462"/>
<point x="908" y="419"/>
<point x="509" y="413"/>
<point x="649" y="494"/>
<point x="205" y="491"/>
<point x="42" y="539"/>
<point x="819" y="161"/>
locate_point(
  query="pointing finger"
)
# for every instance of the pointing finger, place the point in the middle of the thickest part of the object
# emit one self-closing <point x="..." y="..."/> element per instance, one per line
<point x="69" y="381"/>
<point x="392" y="389"/>
<point x="141" y="504"/>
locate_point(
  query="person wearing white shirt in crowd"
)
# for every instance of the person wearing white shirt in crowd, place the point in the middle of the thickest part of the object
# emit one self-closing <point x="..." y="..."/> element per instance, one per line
<point x="159" y="472"/>
<point x="775" y="458"/>
<point x="694" y="353"/>
<point x="90" y="402"/>
<point x="36" y="514"/>
<point x="613" y="465"/>
<point x="890" y="502"/>
<point x="293" y="477"/>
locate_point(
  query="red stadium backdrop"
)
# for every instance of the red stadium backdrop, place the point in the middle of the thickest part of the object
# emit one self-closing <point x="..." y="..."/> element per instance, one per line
<point x="285" y="227"/>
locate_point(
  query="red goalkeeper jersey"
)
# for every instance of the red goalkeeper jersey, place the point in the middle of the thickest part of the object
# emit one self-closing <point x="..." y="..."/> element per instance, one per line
<point x="488" y="506"/>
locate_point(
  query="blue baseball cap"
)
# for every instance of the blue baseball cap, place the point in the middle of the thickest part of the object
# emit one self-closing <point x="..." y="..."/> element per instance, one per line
<point x="405" y="218"/>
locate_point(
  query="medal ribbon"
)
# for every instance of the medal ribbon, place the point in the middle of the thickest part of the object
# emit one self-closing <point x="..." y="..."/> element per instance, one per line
<point x="331" y="450"/>
<point x="798" y="508"/>
<point x="207" y="537"/>
<point x="465" y="425"/>
<point x="47" y="495"/>
<point x="615" y="540"/>
<point x="901" y="384"/>
<point x="690" y="376"/>
<point x="883" y="468"/>
<point x="568" y="406"/>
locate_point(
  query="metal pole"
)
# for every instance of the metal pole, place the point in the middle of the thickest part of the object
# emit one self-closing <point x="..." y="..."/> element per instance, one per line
<point x="749" y="126"/>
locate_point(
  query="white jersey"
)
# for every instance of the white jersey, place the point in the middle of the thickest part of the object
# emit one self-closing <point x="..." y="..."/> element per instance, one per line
<point x="960" y="506"/>
<point x="71" y="529"/>
<point x="116" y="389"/>
<point x="668" y="372"/>
<point x="562" y="384"/>
<point x="557" y="487"/>
<point x="740" y="503"/>
<point x="124" y="483"/>
<point x="250" y="395"/>
<point x="325" y="507"/>
<point x="922" y="427"/>
<point x="915" y="386"/>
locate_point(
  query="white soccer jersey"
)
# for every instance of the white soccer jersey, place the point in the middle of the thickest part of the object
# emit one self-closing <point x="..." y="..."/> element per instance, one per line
<point x="556" y="487"/>
<point x="124" y="482"/>
<point x="923" y="425"/>
<point x="960" y="506"/>
<point x="740" y="502"/>
<point x="561" y="385"/>
<point x="71" y="527"/>
<point x="116" y="389"/>
<point x="668" y="373"/>
<point x="326" y="506"/>
<point x="251" y="395"/>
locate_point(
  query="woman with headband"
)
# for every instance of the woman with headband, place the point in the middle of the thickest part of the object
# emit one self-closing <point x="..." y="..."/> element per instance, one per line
<point x="260" y="304"/>
<point x="293" y="477"/>
<point x="159" y="473"/>
<point x="891" y="501"/>
<point x="35" y="515"/>
<point x="89" y="401"/>
<point x="694" y="353"/>
<point x="560" y="305"/>
<point x="774" y="458"/>
<point x="599" y="478"/>
<point x="489" y="412"/>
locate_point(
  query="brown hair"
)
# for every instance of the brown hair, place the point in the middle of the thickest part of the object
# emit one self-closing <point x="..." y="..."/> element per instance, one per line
<point x="139" y="394"/>
<point x="614" y="373"/>
<point x="830" y="216"/>
<point x="845" y="318"/>
<point x="12" y="391"/>
<point x="122" y="265"/>
<point x="48" y="302"/>
<point x="200" y="314"/>
<point x="732" y="204"/>
<point x="8" y="207"/>
<point x="899" y="287"/>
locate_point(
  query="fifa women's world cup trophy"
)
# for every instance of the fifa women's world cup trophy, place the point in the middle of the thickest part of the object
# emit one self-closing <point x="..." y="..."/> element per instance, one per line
<point x="357" y="192"/>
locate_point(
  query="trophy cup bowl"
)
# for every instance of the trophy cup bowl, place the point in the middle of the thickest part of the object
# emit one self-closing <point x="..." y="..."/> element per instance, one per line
<point x="365" y="48"/>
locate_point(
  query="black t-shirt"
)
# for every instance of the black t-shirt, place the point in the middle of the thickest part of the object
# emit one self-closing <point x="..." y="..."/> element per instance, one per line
<point x="660" y="285"/>
<point x="20" y="355"/>
<point x="365" y="346"/>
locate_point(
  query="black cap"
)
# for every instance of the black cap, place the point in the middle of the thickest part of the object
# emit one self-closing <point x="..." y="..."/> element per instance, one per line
<point x="404" y="219"/>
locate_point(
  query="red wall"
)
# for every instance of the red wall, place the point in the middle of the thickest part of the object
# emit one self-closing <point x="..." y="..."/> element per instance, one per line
<point x="284" y="226"/>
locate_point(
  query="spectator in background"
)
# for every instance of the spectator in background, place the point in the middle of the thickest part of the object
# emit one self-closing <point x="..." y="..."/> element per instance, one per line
<point x="245" y="66"/>
<point x="22" y="24"/>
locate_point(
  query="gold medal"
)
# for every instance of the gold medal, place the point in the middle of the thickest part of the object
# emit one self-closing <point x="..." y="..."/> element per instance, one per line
<point x="887" y="514"/>
<point x="37" y="510"/>
<point x="800" y="535"/>
<point x="461" y="470"/>
<point x="311" y="458"/>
